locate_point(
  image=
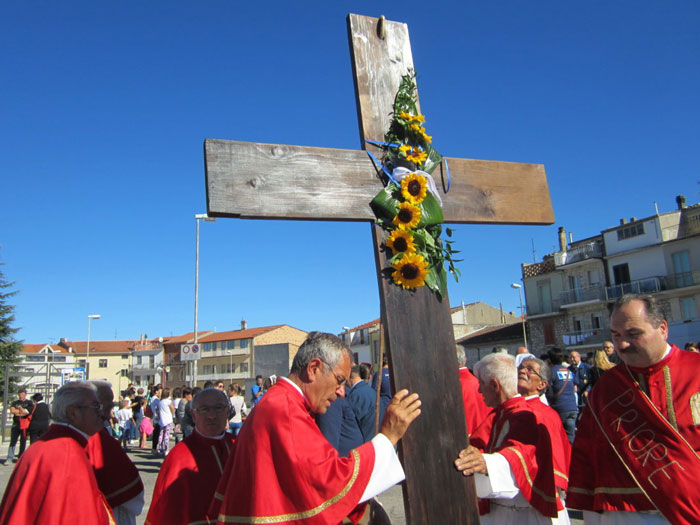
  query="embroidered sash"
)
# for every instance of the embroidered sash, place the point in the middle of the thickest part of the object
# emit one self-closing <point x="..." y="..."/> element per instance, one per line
<point x="656" y="455"/>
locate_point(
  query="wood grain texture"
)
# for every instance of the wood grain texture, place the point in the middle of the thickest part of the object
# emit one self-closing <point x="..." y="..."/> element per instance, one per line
<point x="273" y="181"/>
<point x="420" y="339"/>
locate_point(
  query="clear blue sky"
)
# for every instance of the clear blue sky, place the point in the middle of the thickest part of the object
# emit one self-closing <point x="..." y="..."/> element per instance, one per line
<point x="104" y="107"/>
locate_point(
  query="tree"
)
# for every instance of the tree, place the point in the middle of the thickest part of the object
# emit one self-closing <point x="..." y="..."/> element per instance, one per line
<point x="9" y="347"/>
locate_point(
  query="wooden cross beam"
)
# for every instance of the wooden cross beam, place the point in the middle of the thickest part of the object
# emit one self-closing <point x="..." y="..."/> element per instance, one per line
<point x="269" y="181"/>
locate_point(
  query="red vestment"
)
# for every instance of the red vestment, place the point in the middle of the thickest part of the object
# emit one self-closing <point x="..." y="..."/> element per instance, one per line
<point x="561" y="448"/>
<point x="475" y="410"/>
<point x="655" y="441"/>
<point x="521" y="435"/>
<point x="117" y="476"/>
<point x="187" y="480"/>
<point x="284" y="470"/>
<point x="53" y="482"/>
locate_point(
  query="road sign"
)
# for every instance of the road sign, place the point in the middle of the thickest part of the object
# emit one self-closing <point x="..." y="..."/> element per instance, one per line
<point x="189" y="352"/>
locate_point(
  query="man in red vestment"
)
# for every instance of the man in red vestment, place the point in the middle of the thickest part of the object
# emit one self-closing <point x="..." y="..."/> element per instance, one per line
<point x="514" y="466"/>
<point x="643" y="422"/>
<point x="284" y="471"/>
<point x="191" y="471"/>
<point x="533" y="379"/>
<point x="475" y="410"/>
<point x="53" y="482"/>
<point x="117" y="476"/>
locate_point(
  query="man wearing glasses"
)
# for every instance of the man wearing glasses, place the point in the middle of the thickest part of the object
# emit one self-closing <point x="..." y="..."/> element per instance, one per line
<point x="191" y="471"/>
<point x="53" y="482"/>
<point x="512" y="453"/>
<point x="284" y="470"/>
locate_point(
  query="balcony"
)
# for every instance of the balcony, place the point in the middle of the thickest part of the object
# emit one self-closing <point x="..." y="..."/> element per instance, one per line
<point x="586" y="337"/>
<point x="592" y="250"/>
<point x="642" y="286"/>
<point x="582" y="295"/>
<point x="543" y="309"/>
<point x="682" y="280"/>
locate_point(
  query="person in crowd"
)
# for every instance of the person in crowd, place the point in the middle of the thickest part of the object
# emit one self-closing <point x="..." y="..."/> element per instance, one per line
<point x="513" y="465"/>
<point x="601" y="365"/>
<point x="41" y="418"/>
<point x="475" y="410"/>
<point x="561" y="394"/>
<point x="54" y="482"/>
<point x="126" y="422"/>
<point x="280" y="440"/>
<point x="189" y="475"/>
<point x="165" y="420"/>
<point x="20" y="409"/>
<point x="116" y="475"/>
<point x="635" y="458"/>
<point x="239" y="407"/>
<point x="257" y="390"/>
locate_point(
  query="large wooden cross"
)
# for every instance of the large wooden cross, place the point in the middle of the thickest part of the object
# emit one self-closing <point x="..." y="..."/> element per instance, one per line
<point x="271" y="181"/>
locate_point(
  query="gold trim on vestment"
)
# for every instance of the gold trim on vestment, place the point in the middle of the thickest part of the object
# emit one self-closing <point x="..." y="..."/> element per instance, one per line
<point x="669" y="398"/>
<point x="108" y="510"/>
<point x="281" y="518"/>
<point x="123" y="489"/>
<point x="561" y="474"/>
<point x="218" y="460"/>
<point x="529" y="479"/>
<point x="606" y="490"/>
<point x="695" y="408"/>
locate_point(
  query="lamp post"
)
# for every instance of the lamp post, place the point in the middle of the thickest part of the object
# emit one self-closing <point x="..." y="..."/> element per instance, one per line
<point x="198" y="217"/>
<point x="519" y="287"/>
<point x="87" y="354"/>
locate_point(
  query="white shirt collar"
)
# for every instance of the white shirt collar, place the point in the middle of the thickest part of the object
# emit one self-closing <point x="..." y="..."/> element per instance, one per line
<point x="210" y="437"/>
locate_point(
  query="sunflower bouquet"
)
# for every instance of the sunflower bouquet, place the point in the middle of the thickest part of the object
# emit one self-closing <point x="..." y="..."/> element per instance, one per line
<point x="409" y="207"/>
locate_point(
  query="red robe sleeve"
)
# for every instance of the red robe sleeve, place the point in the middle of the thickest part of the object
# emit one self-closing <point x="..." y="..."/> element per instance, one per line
<point x="475" y="410"/>
<point x="187" y="481"/>
<point x="53" y="482"/>
<point x="117" y="476"/>
<point x="284" y="470"/>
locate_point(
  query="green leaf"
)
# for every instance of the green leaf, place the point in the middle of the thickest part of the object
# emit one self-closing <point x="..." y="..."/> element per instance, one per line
<point x="433" y="160"/>
<point x="385" y="205"/>
<point x="431" y="212"/>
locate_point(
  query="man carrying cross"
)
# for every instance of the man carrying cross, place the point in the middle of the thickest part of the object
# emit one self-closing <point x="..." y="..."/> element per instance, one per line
<point x="290" y="472"/>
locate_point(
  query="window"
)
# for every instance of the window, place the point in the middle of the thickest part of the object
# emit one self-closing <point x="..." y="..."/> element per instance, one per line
<point x="59" y="359"/>
<point x="230" y="345"/>
<point x="125" y="356"/>
<point x="207" y="369"/>
<point x="548" y="330"/>
<point x="233" y="368"/>
<point x="81" y="363"/>
<point x="632" y="230"/>
<point x="125" y="372"/>
<point x="35" y="358"/>
<point x="687" y="308"/>
<point x="138" y="360"/>
<point x="545" y="295"/>
<point x="681" y="269"/>
<point x="595" y="321"/>
<point x="621" y="273"/>
<point x="207" y="347"/>
<point x="593" y="278"/>
<point x="137" y="380"/>
<point x="103" y="363"/>
<point x="244" y="367"/>
<point x="244" y="344"/>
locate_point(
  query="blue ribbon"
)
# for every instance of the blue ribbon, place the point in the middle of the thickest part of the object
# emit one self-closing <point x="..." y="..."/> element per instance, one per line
<point x="388" y="144"/>
<point x="447" y="171"/>
<point x="377" y="163"/>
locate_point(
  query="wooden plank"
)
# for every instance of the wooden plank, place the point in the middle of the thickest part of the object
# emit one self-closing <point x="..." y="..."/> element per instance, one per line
<point x="418" y="325"/>
<point x="271" y="181"/>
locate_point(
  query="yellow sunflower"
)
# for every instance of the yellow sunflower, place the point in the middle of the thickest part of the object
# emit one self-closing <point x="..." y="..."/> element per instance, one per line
<point x="426" y="137"/>
<point x="410" y="271"/>
<point x="413" y="188"/>
<point x="405" y="115"/>
<point x="417" y="156"/>
<point x="417" y="127"/>
<point x="408" y="216"/>
<point x="419" y="118"/>
<point x="401" y="242"/>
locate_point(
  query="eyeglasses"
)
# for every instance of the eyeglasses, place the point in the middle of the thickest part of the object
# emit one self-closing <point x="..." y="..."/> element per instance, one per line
<point x="216" y="410"/>
<point x="94" y="406"/>
<point x="340" y="379"/>
<point x="531" y="370"/>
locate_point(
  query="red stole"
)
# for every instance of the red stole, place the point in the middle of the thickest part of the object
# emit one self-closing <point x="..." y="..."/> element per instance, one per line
<point x="117" y="476"/>
<point x="520" y="435"/>
<point x="187" y="480"/>
<point x="561" y="447"/>
<point x="284" y="470"/>
<point x="53" y="482"/>
<point x="657" y="457"/>
<point x="475" y="410"/>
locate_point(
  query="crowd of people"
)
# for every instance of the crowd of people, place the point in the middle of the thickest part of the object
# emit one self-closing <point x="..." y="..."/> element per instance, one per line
<point x="613" y="434"/>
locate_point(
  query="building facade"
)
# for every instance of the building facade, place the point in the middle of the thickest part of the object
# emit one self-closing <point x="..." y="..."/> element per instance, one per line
<point x="569" y="293"/>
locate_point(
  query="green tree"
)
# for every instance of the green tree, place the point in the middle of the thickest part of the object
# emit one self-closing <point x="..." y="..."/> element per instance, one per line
<point x="9" y="347"/>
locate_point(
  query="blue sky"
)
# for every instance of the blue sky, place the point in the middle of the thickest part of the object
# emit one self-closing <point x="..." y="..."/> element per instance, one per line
<point x="104" y="108"/>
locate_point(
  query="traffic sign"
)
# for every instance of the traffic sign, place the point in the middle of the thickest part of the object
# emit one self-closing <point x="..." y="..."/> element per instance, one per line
<point x="189" y="352"/>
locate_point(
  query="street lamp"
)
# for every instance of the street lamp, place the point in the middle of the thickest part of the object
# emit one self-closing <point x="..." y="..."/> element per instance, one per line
<point x="519" y="287"/>
<point x="198" y="217"/>
<point x="87" y="354"/>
